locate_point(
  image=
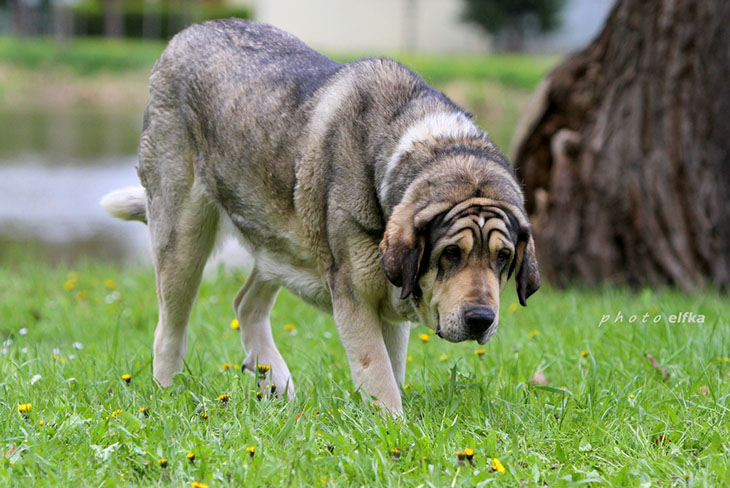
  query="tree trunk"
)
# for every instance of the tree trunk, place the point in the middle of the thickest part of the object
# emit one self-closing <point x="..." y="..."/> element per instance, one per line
<point x="625" y="153"/>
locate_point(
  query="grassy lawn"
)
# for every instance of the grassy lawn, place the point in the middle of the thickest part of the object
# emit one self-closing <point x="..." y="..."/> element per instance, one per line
<point x="603" y="416"/>
<point x="557" y="397"/>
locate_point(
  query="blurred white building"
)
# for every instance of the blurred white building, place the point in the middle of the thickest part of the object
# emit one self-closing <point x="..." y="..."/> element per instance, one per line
<point x="357" y="26"/>
<point x="427" y="26"/>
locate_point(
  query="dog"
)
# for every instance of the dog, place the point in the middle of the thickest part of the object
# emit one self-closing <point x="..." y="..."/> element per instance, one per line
<point x="356" y="186"/>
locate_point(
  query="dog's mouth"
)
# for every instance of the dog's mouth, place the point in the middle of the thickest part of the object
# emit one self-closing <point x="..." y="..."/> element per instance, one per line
<point x="484" y="338"/>
<point x="481" y="338"/>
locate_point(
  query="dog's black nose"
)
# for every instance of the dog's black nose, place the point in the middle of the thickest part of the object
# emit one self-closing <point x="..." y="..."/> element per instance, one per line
<point x="478" y="319"/>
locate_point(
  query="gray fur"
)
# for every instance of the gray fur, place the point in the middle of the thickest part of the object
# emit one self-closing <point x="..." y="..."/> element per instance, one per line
<point x="300" y="152"/>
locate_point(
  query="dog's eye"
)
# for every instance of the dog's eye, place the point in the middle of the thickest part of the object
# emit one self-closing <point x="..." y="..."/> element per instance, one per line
<point x="502" y="257"/>
<point x="452" y="254"/>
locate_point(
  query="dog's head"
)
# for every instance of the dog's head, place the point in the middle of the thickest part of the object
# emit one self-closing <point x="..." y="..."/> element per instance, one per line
<point x="452" y="247"/>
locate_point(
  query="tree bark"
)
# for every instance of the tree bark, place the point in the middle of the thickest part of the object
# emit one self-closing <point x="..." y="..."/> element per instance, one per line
<point x="625" y="153"/>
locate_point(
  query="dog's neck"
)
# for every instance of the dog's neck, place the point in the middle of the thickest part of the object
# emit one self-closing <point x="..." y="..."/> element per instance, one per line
<point x="419" y="149"/>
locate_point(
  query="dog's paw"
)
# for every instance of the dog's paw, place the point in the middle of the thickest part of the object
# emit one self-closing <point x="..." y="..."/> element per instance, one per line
<point x="272" y="376"/>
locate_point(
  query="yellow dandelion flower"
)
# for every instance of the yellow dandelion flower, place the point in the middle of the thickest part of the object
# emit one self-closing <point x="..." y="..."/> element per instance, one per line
<point x="70" y="284"/>
<point x="723" y="360"/>
<point x="60" y="358"/>
<point x="512" y="308"/>
<point x="235" y="324"/>
<point x="25" y="407"/>
<point x="584" y="354"/>
<point x="127" y="378"/>
<point x="198" y="484"/>
<point x="687" y="476"/>
<point x="290" y="327"/>
<point x="443" y="357"/>
<point x="424" y="337"/>
<point x="533" y="334"/>
<point x="631" y="395"/>
<point x="395" y="452"/>
<point x="407" y="386"/>
<point x="469" y="453"/>
<point x="497" y="466"/>
<point x="460" y="455"/>
<point x="263" y="368"/>
<point x="144" y="411"/>
<point x="163" y="462"/>
<point x="190" y="456"/>
<point x="82" y="296"/>
<point x="259" y="395"/>
<point x="251" y="451"/>
<point x="480" y="352"/>
<point x="110" y="284"/>
<point x="224" y="398"/>
<point x="41" y="423"/>
<point x="227" y="366"/>
<point x="409" y="358"/>
<point x="204" y="416"/>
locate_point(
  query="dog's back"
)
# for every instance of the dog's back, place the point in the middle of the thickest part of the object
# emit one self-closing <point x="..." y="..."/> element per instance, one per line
<point x="255" y="112"/>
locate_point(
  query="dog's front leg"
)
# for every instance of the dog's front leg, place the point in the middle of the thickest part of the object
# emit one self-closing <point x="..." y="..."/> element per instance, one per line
<point x="360" y="332"/>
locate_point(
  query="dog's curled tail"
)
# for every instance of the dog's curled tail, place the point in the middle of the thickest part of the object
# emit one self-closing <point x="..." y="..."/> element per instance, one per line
<point x="128" y="203"/>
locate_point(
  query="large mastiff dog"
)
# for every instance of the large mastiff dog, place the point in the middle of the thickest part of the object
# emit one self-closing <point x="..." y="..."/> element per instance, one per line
<point x="356" y="186"/>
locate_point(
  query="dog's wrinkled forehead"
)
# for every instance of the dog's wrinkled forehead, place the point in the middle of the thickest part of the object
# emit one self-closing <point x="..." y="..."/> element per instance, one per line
<point x="479" y="218"/>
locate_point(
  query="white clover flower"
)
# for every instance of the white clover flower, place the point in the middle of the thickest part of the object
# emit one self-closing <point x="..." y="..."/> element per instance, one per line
<point x="112" y="297"/>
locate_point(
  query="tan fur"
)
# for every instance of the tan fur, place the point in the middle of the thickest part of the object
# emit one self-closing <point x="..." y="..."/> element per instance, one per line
<point x="336" y="178"/>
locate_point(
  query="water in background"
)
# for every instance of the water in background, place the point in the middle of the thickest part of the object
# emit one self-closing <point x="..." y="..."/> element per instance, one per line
<point x="54" y="169"/>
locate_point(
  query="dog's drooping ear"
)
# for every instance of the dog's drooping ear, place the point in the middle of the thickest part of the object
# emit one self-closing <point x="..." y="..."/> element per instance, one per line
<point x="401" y="251"/>
<point x="527" y="276"/>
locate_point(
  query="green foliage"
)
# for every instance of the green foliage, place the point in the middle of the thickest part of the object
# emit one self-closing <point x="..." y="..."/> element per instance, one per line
<point x="169" y="17"/>
<point x="514" y="16"/>
<point x="606" y="417"/>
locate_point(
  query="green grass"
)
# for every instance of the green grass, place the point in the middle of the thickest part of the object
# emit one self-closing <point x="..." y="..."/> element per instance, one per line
<point x="92" y="55"/>
<point x="616" y="423"/>
<point x="85" y="56"/>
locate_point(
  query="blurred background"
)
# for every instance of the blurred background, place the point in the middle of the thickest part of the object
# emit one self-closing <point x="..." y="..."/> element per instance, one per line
<point x="73" y="86"/>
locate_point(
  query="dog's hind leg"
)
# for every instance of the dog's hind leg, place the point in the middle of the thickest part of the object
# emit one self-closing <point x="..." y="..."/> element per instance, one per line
<point x="183" y="225"/>
<point x="253" y="305"/>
